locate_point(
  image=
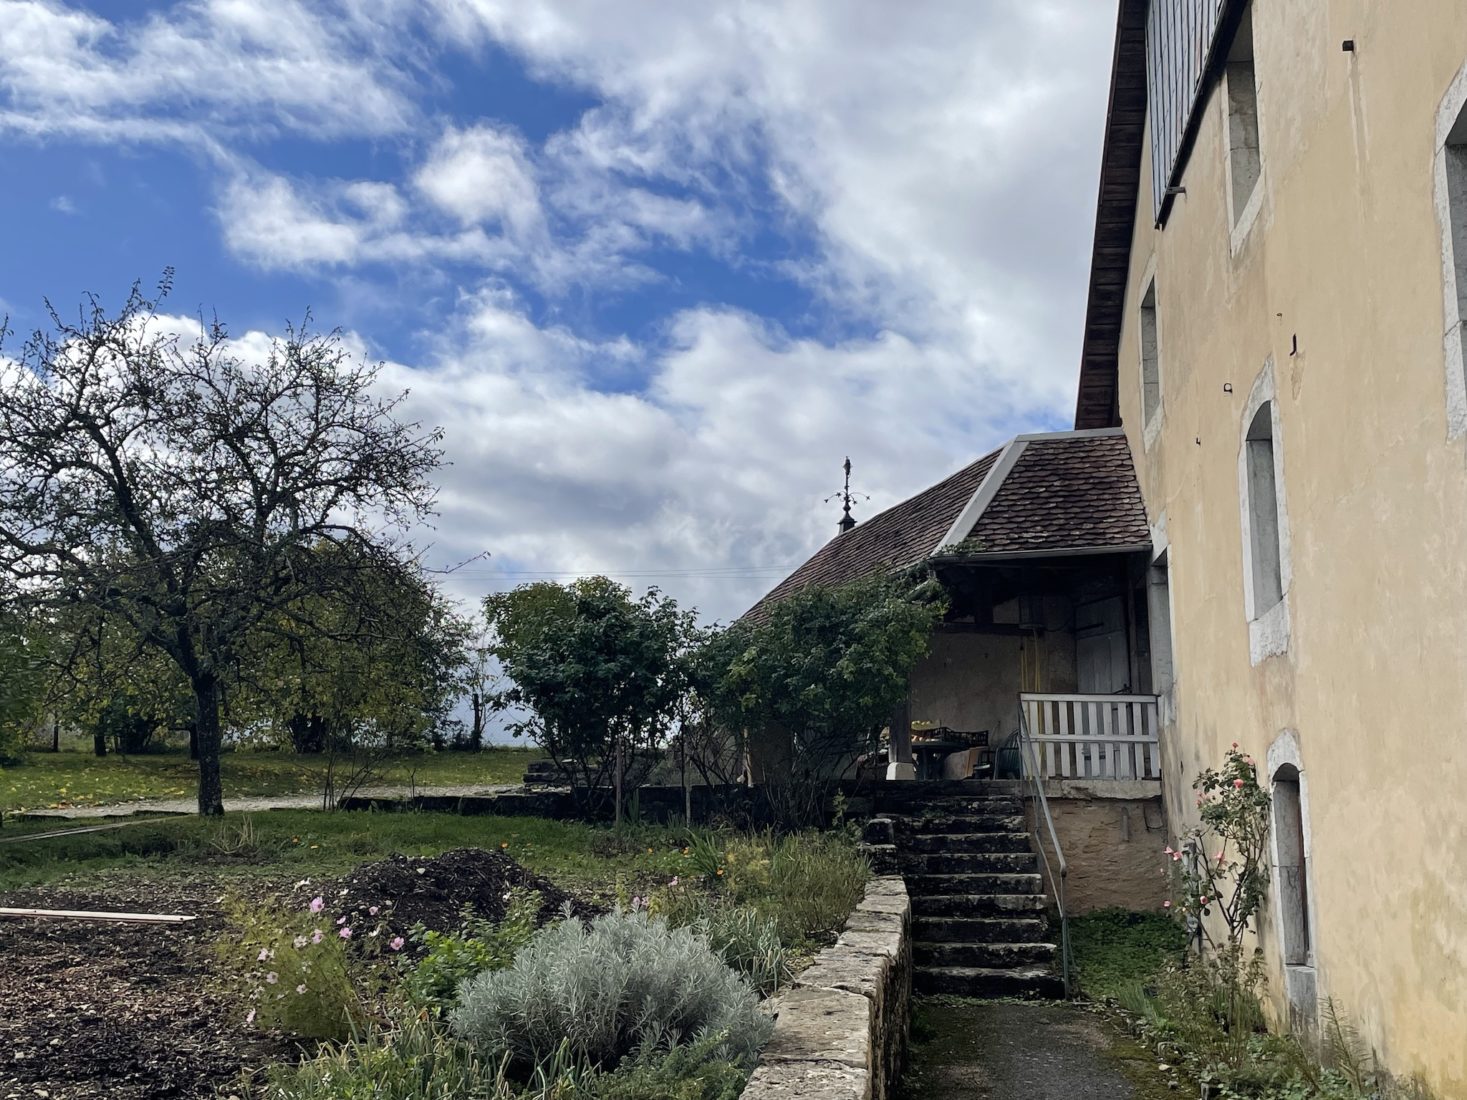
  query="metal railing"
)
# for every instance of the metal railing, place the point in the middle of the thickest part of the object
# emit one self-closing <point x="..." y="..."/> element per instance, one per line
<point x="1057" y="884"/>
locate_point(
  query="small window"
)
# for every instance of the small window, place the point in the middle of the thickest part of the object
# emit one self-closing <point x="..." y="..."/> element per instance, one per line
<point x="1263" y="511"/>
<point x="1150" y="358"/>
<point x="1245" y="164"/>
<point x="1291" y="865"/>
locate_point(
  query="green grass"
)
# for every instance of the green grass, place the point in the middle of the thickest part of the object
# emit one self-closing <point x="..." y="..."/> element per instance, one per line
<point x="297" y="843"/>
<point x="57" y="780"/>
<point x="1116" y="948"/>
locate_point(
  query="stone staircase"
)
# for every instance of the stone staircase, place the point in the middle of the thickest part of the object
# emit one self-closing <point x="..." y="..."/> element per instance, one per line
<point x="978" y="903"/>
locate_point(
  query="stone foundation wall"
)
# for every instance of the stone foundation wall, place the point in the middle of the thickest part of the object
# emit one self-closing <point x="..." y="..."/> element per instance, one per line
<point x="841" y="1032"/>
<point x="1113" y="845"/>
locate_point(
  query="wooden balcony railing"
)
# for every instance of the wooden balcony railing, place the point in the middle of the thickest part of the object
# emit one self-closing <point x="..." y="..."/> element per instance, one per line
<point x="1092" y="736"/>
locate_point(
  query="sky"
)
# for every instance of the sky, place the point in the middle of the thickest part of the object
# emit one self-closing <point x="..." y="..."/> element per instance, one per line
<point x="656" y="267"/>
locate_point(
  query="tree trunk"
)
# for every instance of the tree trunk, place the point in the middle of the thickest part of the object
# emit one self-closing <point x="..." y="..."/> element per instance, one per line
<point x="209" y="737"/>
<point x="476" y="736"/>
<point x="56" y="735"/>
<point x="99" y="742"/>
<point x="620" y="771"/>
<point x="193" y="740"/>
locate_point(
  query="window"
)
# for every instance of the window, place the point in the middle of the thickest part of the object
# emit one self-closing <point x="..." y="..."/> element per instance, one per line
<point x="1245" y="164"/>
<point x="1150" y="358"/>
<point x="1451" y="204"/>
<point x="1264" y="520"/>
<point x="1291" y="874"/>
<point x="1263" y="511"/>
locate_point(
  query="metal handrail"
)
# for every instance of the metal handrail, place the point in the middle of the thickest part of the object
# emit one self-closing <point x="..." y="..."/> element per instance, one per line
<point x="1031" y="765"/>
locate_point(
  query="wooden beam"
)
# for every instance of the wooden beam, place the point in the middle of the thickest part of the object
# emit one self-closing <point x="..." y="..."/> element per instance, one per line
<point x="88" y="915"/>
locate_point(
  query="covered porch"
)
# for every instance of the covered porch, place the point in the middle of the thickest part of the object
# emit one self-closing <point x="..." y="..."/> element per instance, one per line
<point x="1055" y="650"/>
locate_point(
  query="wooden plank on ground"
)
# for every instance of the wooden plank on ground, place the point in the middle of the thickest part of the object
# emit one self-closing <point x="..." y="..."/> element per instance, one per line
<point x="84" y="914"/>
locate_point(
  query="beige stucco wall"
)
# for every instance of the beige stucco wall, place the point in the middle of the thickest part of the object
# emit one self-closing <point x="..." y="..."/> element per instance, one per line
<point x="1112" y="846"/>
<point x="1339" y="284"/>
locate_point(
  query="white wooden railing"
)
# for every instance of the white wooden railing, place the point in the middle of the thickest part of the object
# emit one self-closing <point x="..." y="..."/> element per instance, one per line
<point x="1092" y="736"/>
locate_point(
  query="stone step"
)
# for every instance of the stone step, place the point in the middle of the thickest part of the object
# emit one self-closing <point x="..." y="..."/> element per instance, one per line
<point x="966" y="842"/>
<point x="970" y="981"/>
<point x="983" y="955"/>
<point x="1014" y="929"/>
<point x="973" y="883"/>
<point x="978" y="905"/>
<point x="960" y="823"/>
<point x="967" y="863"/>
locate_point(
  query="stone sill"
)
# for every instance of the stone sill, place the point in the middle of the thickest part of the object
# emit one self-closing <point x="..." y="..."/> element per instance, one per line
<point x="1131" y="790"/>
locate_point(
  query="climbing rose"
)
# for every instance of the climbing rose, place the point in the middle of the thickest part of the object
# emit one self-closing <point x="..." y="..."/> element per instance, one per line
<point x="317" y="904"/>
<point x="1166" y="905"/>
<point x="1237" y="783"/>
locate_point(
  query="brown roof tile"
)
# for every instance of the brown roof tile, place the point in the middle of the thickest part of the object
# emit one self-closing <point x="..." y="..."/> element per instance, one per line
<point x="903" y="535"/>
<point x="1064" y="492"/>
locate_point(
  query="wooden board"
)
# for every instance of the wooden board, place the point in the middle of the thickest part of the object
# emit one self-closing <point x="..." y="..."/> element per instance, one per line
<point x="82" y="914"/>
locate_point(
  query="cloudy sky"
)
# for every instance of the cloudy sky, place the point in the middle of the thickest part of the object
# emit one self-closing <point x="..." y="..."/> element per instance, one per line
<point x="657" y="267"/>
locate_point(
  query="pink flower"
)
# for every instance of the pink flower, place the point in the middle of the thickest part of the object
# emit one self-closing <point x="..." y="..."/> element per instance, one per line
<point x="301" y="988"/>
<point x="396" y="943"/>
<point x="341" y="920"/>
<point x="1167" y="850"/>
<point x="250" y="1017"/>
<point x="345" y="933"/>
<point x="1203" y="899"/>
<point x="1238" y="783"/>
<point x="1248" y="760"/>
<point x="265" y="954"/>
<point x="271" y="978"/>
<point x="674" y="881"/>
<point x="1235" y="744"/>
<point x="372" y="911"/>
<point x="299" y="942"/>
<point x="1166" y="905"/>
<point x="1220" y="857"/>
<point x="316" y="936"/>
<point x="317" y="904"/>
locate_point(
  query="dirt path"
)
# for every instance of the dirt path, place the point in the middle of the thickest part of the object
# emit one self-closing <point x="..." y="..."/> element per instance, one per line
<point x="250" y="805"/>
<point x="1005" y="1050"/>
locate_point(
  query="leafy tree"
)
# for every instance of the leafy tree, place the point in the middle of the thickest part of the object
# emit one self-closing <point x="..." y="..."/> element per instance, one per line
<point x="189" y="493"/>
<point x="822" y="673"/>
<point x="20" y="687"/>
<point x="597" y="674"/>
<point x="384" y="667"/>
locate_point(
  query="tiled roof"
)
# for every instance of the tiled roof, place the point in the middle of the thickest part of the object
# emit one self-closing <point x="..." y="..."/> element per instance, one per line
<point x="903" y="535"/>
<point x="1060" y="492"/>
<point x="1065" y="494"/>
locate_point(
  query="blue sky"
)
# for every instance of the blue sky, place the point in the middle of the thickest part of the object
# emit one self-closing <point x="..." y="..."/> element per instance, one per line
<point x="656" y="268"/>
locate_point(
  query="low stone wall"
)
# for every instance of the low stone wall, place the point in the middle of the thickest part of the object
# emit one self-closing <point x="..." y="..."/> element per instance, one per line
<point x="1112" y="834"/>
<point x="841" y="1032"/>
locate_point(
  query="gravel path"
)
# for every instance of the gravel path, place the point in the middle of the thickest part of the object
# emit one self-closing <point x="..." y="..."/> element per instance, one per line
<point x="273" y="802"/>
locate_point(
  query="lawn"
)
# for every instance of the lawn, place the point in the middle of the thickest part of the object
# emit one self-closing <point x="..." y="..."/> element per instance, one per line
<point x="1116" y="949"/>
<point x="57" y="780"/>
<point x="282" y="844"/>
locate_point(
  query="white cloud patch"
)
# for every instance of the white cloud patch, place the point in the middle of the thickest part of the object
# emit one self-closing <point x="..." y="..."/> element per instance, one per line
<point x="483" y="174"/>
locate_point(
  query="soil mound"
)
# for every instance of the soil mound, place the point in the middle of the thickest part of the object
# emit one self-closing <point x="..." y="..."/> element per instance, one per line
<point x="434" y="890"/>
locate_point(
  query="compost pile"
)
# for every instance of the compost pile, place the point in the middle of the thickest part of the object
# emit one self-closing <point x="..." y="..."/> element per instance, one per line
<point x="434" y="891"/>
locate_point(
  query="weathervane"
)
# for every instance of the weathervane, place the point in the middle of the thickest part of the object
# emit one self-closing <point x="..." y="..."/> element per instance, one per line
<point x="845" y="496"/>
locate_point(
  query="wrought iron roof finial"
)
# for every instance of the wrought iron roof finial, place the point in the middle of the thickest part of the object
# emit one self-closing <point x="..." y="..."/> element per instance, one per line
<point x="845" y="496"/>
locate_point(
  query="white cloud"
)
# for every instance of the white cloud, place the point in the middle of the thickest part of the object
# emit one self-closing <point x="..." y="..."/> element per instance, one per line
<point x="63" y="204"/>
<point x="483" y="174"/>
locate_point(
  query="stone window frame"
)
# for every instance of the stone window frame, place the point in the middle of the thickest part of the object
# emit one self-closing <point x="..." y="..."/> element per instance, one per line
<point x="1151" y="420"/>
<point x="1300" y="979"/>
<point x="1268" y="627"/>
<point x="1241" y="220"/>
<point x="1449" y="171"/>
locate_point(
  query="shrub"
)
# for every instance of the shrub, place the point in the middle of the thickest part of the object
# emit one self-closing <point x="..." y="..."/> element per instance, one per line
<point x="748" y="942"/>
<point x="692" y="1072"/>
<point x="814" y="881"/>
<point x="626" y="983"/>
<point x="413" y="1061"/>
<point x="479" y="945"/>
<point x="299" y="973"/>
